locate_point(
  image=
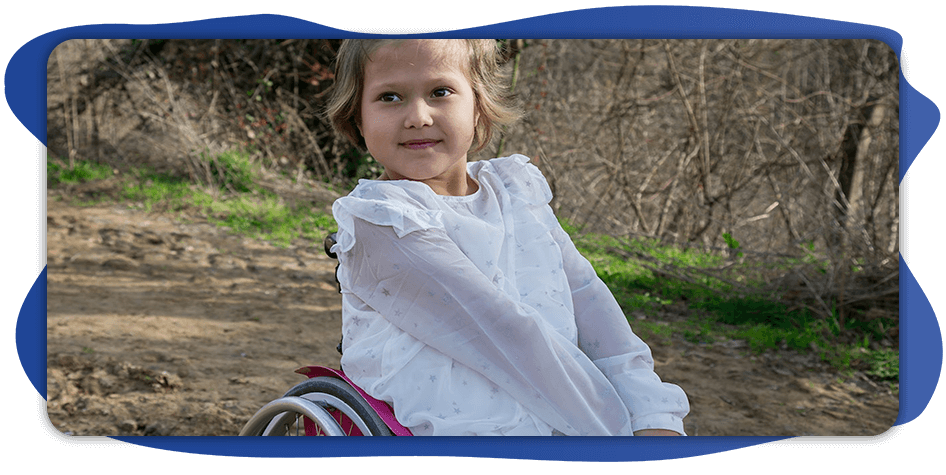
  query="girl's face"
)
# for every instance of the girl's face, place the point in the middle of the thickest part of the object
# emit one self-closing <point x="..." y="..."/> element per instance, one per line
<point x="418" y="112"/>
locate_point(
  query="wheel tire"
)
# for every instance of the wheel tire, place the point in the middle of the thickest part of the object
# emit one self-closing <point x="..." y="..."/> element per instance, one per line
<point x="358" y="410"/>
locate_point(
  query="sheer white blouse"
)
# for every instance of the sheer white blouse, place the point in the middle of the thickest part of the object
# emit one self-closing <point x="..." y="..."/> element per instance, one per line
<point x="476" y="315"/>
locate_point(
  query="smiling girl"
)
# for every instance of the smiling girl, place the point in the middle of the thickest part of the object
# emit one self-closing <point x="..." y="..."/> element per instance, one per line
<point x="465" y="304"/>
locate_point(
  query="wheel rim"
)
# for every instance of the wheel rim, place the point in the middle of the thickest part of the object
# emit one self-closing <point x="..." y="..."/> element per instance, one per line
<point x="281" y="416"/>
<point x="318" y="406"/>
<point x="358" y="416"/>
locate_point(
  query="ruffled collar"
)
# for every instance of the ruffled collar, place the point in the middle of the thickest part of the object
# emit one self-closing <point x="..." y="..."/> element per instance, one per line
<point x="520" y="178"/>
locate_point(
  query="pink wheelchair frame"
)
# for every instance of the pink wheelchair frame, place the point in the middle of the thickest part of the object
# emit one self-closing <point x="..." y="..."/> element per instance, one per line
<point x="381" y="408"/>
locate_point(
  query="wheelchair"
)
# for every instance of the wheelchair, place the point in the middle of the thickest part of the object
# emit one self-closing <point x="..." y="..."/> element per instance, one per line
<point x="327" y="404"/>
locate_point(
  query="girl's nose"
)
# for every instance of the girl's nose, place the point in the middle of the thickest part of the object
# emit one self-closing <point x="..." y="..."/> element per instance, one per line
<point x="418" y="115"/>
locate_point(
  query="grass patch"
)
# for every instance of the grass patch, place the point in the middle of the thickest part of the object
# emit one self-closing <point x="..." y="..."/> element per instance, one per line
<point x="152" y="189"/>
<point x="884" y="364"/>
<point x="267" y="217"/>
<point x="647" y="277"/>
<point x="58" y="172"/>
<point x="231" y="170"/>
<point x="234" y="200"/>
<point x="653" y="331"/>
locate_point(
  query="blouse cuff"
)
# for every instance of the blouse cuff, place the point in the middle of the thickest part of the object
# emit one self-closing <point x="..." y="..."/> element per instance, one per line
<point x="659" y="421"/>
<point x="651" y="403"/>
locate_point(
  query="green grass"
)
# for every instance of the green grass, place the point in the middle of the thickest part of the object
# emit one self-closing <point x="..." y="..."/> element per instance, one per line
<point x="232" y="170"/>
<point x="884" y="364"/>
<point x="152" y="189"/>
<point x="719" y="310"/>
<point x="250" y="210"/>
<point x="58" y="171"/>
<point x="267" y="218"/>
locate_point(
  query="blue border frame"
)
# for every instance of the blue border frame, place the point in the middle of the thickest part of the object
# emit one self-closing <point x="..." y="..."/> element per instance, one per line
<point x="921" y="342"/>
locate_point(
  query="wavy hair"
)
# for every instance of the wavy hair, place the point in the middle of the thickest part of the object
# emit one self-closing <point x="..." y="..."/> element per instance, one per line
<point x="495" y="105"/>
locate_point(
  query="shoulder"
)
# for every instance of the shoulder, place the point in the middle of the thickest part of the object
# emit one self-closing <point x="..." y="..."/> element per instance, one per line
<point x="402" y="193"/>
<point x="402" y="205"/>
<point x="518" y="177"/>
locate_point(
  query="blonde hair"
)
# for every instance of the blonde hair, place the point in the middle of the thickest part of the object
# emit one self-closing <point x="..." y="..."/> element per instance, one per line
<point x="494" y="103"/>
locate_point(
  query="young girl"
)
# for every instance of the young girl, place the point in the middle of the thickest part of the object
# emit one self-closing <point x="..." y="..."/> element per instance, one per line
<point x="465" y="304"/>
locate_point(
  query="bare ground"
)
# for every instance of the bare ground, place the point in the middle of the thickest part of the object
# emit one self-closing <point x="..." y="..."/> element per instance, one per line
<point x="163" y="326"/>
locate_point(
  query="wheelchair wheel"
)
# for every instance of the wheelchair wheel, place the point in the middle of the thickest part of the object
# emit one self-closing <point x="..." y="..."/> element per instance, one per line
<point x="318" y="406"/>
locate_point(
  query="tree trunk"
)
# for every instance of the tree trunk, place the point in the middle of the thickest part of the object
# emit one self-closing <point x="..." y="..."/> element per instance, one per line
<point x="854" y="163"/>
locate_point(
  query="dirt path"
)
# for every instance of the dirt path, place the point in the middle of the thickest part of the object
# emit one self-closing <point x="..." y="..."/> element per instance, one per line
<point x="157" y="327"/>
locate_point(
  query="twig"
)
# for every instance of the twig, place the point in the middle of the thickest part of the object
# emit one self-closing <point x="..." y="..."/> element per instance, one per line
<point x="872" y="296"/>
<point x="691" y="116"/>
<point x="704" y="136"/>
<point x="895" y="273"/>
<point x="323" y="163"/>
<point x="811" y="289"/>
<point x="210" y="108"/>
<point x="67" y="116"/>
<point x="645" y="182"/>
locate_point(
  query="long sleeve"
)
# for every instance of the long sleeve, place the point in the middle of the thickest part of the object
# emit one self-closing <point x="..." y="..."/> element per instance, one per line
<point x="605" y="336"/>
<point x="423" y="283"/>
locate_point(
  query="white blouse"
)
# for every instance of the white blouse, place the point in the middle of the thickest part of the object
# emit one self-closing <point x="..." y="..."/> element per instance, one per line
<point x="476" y="315"/>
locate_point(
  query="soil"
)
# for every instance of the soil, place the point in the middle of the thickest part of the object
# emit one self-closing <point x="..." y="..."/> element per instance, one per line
<point x="162" y="325"/>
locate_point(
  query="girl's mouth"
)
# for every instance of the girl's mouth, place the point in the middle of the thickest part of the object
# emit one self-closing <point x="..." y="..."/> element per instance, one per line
<point x="420" y="144"/>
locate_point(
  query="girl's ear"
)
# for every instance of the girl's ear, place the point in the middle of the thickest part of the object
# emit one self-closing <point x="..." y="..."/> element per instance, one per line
<point x="476" y="120"/>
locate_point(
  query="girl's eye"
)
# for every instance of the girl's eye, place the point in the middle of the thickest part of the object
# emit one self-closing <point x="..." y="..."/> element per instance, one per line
<point x="388" y="97"/>
<point x="441" y="92"/>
